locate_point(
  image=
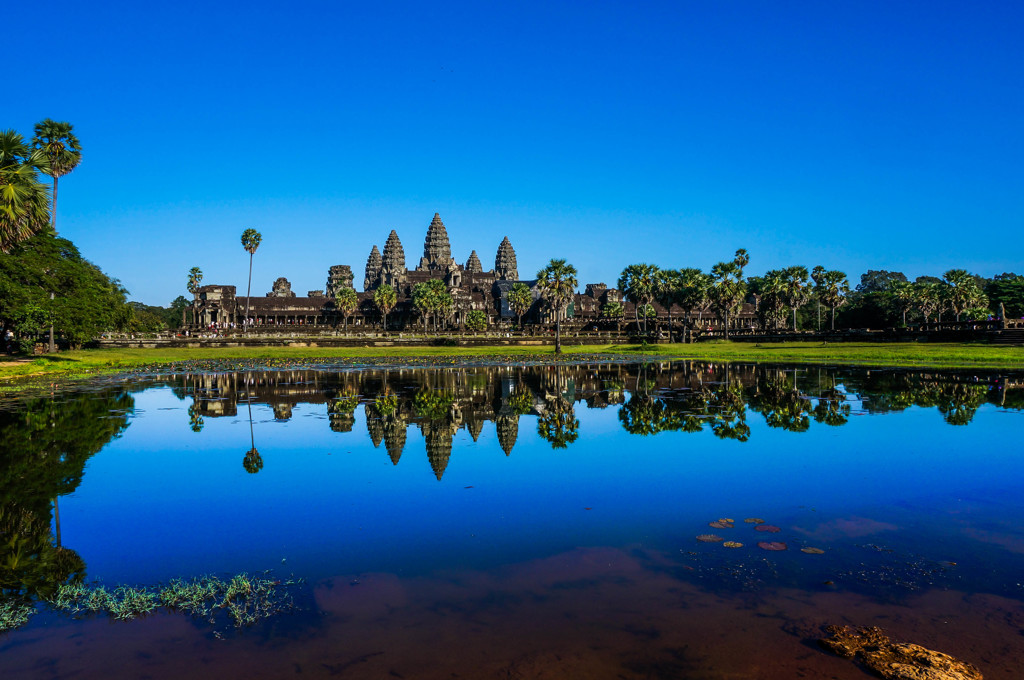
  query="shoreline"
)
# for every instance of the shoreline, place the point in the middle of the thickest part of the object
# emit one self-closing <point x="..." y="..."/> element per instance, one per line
<point x="79" y="364"/>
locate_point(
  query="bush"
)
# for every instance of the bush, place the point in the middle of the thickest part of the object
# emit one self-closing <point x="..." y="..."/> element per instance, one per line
<point x="476" y="320"/>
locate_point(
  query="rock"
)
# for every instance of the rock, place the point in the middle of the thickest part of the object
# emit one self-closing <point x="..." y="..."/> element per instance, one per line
<point x="895" y="661"/>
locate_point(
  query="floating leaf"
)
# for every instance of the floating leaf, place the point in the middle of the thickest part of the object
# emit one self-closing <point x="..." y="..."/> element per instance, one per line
<point x="772" y="545"/>
<point x="767" y="527"/>
<point x="725" y="520"/>
<point x="754" y="520"/>
<point x="719" y="524"/>
<point x="732" y="544"/>
<point x="710" y="538"/>
<point x="812" y="551"/>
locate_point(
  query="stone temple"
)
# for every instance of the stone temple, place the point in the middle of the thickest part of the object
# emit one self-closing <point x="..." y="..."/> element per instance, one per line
<point x="471" y="287"/>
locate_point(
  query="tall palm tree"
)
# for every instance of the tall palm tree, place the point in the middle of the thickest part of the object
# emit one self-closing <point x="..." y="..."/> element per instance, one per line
<point x="667" y="291"/>
<point x="63" y="151"/>
<point x="729" y="289"/>
<point x="24" y="200"/>
<point x="962" y="291"/>
<point x="797" y="292"/>
<point x="692" y="292"/>
<point x="346" y="301"/>
<point x="831" y="287"/>
<point x="639" y="284"/>
<point x="520" y="299"/>
<point x="385" y="298"/>
<point x="557" y="284"/>
<point x="250" y="241"/>
<point x="195" y="277"/>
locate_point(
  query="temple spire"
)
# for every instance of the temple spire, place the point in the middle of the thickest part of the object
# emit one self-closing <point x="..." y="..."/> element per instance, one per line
<point x="505" y="266"/>
<point x="473" y="264"/>
<point x="437" y="251"/>
<point x="373" y="267"/>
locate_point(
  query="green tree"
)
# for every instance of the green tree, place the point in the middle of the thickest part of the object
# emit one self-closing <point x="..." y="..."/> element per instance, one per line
<point x="831" y="287"/>
<point x="385" y="298"/>
<point x="61" y="147"/>
<point x="667" y="291"/>
<point x="926" y="298"/>
<point x="639" y="285"/>
<point x="770" y="292"/>
<point x="195" y="279"/>
<point x="558" y="425"/>
<point x="1006" y="289"/>
<point x="961" y="291"/>
<point x="440" y="300"/>
<point x="250" y="242"/>
<point x="728" y="287"/>
<point x="421" y="301"/>
<point x="557" y="284"/>
<point x="692" y="293"/>
<point x="346" y="300"/>
<point x="520" y="299"/>
<point x="476" y="320"/>
<point x="24" y="199"/>
<point x="901" y="296"/>
<point x="797" y="292"/>
<point x="85" y="301"/>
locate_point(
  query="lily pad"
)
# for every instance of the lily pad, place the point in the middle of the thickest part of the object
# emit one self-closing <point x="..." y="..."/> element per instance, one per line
<point x="772" y="545"/>
<point x="768" y="528"/>
<point x="754" y="520"/>
<point x="710" y="538"/>
<point x="812" y="551"/>
<point x="732" y="544"/>
<point x="719" y="524"/>
<point x="725" y="520"/>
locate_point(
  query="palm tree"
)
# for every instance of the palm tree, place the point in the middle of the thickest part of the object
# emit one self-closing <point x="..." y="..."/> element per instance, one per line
<point x="693" y="291"/>
<point x="61" y="148"/>
<point x="666" y="291"/>
<point x="520" y="299"/>
<point x="385" y="298"/>
<point x="926" y="298"/>
<point x="831" y="286"/>
<point x="962" y="291"/>
<point x="902" y="295"/>
<point x="557" y="284"/>
<point x="639" y="284"/>
<point x="796" y="291"/>
<point x="346" y="300"/>
<point x="24" y="200"/>
<point x="728" y="288"/>
<point x="195" y="277"/>
<point x="250" y="241"/>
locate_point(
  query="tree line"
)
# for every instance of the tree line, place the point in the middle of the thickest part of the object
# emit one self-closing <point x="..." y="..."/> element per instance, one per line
<point x="793" y="297"/>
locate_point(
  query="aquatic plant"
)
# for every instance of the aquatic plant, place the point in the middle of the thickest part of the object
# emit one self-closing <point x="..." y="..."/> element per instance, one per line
<point x="245" y="599"/>
<point x="812" y="551"/>
<point x="754" y="520"/>
<point x="772" y="545"/>
<point x="709" y="538"/>
<point x="768" y="528"/>
<point x="14" y="612"/>
<point x="732" y="544"/>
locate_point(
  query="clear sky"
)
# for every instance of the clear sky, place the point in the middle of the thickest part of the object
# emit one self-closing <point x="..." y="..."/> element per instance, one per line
<point x="856" y="135"/>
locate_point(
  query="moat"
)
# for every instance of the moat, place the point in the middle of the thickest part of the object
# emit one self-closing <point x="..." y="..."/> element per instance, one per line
<point x="541" y="521"/>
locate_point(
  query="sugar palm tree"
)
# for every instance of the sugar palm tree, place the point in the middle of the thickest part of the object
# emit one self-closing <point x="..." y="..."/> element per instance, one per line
<point x="797" y="292"/>
<point x="61" y="147"/>
<point x="667" y="291"/>
<point x="962" y="291"/>
<point x="832" y="287"/>
<point x="520" y="299"/>
<point x="346" y="300"/>
<point x="728" y="287"/>
<point x="385" y="298"/>
<point x="639" y="284"/>
<point x="692" y="292"/>
<point x="557" y="284"/>
<point x="250" y="241"/>
<point x="195" y="277"/>
<point x="24" y="200"/>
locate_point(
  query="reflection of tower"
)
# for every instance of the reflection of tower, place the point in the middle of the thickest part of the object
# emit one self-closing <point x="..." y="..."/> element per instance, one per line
<point x="282" y="411"/>
<point x="438" y="437"/>
<point x="507" y="427"/>
<point x="394" y="437"/>
<point x="341" y="412"/>
<point x="374" y="425"/>
<point x="475" y="427"/>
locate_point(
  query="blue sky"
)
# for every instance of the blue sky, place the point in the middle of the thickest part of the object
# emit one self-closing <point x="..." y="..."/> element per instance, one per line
<point x="854" y="135"/>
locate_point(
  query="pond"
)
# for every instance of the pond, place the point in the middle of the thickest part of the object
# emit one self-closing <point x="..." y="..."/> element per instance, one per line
<point x="591" y="520"/>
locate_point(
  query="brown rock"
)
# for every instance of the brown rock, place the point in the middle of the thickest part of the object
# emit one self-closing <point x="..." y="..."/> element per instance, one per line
<point x="895" y="661"/>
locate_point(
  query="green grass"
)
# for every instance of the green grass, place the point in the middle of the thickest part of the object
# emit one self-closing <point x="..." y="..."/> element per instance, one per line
<point x="83" y="363"/>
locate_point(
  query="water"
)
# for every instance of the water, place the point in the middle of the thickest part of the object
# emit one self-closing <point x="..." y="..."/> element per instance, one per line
<point x="519" y="521"/>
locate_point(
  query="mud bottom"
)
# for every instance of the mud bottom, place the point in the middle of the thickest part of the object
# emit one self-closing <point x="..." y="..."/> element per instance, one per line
<point x="586" y="614"/>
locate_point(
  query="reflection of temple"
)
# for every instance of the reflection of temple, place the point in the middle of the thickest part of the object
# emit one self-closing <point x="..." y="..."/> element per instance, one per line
<point x="680" y="396"/>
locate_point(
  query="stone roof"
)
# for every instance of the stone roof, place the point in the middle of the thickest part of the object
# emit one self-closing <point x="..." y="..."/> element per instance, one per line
<point x="394" y="254"/>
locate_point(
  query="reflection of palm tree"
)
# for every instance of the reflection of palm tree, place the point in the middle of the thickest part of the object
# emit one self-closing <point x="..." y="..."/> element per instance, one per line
<point x="252" y="462"/>
<point x="558" y="425"/>
<point x="195" y="420"/>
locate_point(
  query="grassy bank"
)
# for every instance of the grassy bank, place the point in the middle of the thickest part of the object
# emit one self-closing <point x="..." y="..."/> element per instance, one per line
<point x="82" y="363"/>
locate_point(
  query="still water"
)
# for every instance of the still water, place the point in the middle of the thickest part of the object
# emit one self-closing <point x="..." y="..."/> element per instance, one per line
<point x="519" y="521"/>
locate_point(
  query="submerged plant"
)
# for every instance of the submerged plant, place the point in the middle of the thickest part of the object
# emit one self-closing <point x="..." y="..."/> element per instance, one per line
<point x="14" y="613"/>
